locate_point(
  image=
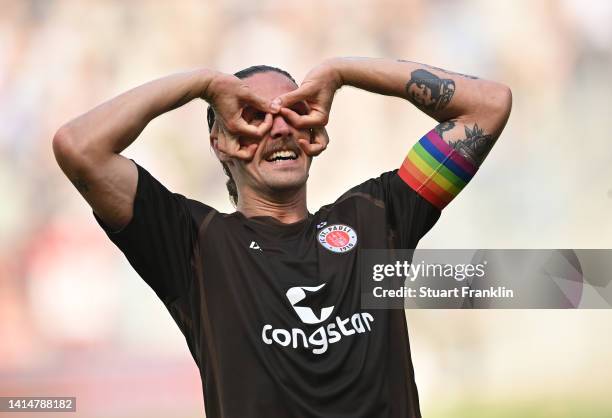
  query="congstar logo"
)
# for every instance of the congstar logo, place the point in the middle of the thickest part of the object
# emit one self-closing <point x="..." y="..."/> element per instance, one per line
<point x="320" y="338"/>
<point x="306" y="314"/>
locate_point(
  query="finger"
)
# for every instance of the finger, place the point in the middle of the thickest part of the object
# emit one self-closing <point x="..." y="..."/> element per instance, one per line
<point x="316" y="149"/>
<point x="226" y="142"/>
<point x="290" y="98"/>
<point x="314" y="119"/>
<point x="265" y="126"/>
<point x="320" y="141"/>
<point x="232" y="149"/>
<point x="292" y="116"/>
<point x="256" y="101"/>
<point x="317" y="145"/>
<point x="312" y="150"/>
<point x="246" y="153"/>
<point x="230" y="145"/>
<point x="256" y="131"/>
<point x="304" y="145"/>
<point x="242" y="127"/>
<point x="321" y="137"/>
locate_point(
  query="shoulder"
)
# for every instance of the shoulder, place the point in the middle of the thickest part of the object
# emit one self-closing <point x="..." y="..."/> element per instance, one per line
<point x="200" y="213"/>
<point x="370" y="192"/>
<point x="365" y="197"/>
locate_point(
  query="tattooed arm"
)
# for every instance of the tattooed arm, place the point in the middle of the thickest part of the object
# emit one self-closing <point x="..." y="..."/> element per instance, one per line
<point x="471" y="112"/>
<point x="471" y="115"/>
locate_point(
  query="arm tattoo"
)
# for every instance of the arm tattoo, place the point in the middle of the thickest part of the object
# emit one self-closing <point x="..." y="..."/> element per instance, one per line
<point x="441" y="69"/>
<point x="81" y="185"/>
<point x="445" y="127"/>
<point x="452" y="72"/>
<point x="427" y="91"/>
<point x="475" y="146"/>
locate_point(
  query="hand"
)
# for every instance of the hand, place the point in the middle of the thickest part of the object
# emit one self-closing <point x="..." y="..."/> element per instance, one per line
<point x="230" y="146"/>
<point x="228" y="95"/>
<point x="317" y="91"/>
<point x="317" y="144"/>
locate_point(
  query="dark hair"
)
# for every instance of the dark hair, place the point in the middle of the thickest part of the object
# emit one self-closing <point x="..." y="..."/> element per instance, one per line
<point x="210" y="118"/>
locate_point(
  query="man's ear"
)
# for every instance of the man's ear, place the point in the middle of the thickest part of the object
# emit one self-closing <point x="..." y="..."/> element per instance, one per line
<point x="214" y="143"/>
<point x="223" y="157"/>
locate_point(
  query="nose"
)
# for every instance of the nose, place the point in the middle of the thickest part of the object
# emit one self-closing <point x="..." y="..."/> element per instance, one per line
<point x="280" y="128"/>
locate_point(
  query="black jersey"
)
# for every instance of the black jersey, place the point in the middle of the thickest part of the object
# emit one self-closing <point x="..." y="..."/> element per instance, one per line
<point x="271" y="312"/>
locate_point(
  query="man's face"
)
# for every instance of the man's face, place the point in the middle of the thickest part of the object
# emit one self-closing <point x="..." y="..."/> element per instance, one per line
<point x="279" y="164"/>
<point x="420" y="94"/>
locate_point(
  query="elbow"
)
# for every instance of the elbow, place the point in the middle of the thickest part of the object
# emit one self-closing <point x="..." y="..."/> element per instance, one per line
<point x="63" y="145"/>
<point x="70" y="150"/>
<point x="492" y="103"/>
<point x="500" y="101"/>
<point x="495" y="107"/>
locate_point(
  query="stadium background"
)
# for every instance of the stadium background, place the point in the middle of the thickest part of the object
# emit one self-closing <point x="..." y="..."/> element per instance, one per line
<point x="75" y="320"/>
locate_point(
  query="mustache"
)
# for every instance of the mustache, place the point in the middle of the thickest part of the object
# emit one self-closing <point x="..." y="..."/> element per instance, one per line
<point x="280" y="145"/>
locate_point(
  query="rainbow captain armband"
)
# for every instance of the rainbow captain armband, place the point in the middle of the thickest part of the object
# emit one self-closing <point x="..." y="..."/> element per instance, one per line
<point x="435" y="170"/>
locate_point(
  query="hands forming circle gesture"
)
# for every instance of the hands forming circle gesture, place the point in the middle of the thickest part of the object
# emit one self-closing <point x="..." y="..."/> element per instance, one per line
<point x="308" y="106"/>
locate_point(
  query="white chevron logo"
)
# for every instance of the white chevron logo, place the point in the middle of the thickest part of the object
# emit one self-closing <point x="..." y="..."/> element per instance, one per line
<point x="306" y="314"/>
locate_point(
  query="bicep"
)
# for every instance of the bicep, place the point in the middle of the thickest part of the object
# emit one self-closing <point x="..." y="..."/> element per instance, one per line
<point x="108" y="183"/>
<point x="474" y="133"/>
<point x="471" y="137"/>
<point x="112" y="188"/>
<point x="438" y="169"/>
<point x="445" y="159"/>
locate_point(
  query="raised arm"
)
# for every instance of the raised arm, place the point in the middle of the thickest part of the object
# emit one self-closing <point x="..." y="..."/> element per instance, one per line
<point x="471" y="114"/>
<point x="88" y="148"/>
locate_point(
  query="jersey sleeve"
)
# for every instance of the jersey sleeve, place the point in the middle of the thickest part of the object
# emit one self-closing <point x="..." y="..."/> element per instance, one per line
<point x="409" y="215"/>
<point x="430" y="177"/>
<point x="158" y="241"/>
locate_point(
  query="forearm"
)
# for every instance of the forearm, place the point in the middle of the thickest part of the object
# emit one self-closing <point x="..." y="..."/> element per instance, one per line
<point x="115" y="124"/>
<point x="441" y="94"/>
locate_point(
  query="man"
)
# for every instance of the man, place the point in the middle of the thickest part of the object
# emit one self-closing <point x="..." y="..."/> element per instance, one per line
<point x="268" y="297"/>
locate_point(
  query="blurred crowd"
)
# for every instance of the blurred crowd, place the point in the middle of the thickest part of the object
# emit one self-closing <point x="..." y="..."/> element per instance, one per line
<point x="72" y="310"/>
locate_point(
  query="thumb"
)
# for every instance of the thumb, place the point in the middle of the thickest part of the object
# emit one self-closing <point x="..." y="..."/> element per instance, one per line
<point x="287" y="99"/>
<point x="257" y="101"/>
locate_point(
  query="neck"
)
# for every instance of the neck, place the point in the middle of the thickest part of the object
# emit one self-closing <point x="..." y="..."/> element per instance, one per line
<point x="286" y="207"/>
